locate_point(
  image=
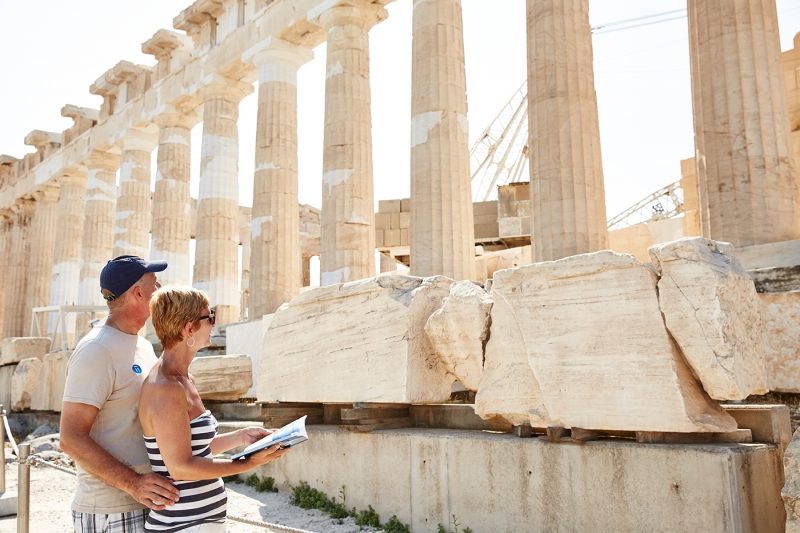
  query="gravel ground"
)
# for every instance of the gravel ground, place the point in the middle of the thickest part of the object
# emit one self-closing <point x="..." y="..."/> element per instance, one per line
<point x="51" y="494"/>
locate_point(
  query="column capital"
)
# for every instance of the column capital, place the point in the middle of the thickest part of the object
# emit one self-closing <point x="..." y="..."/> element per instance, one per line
<point x="350" y="12"/>
<point x="102" y="160"/>
<point x="140" y="138"/>
<point x="178" y="119"/>
<point x="74" y="175"/>
<point x="277" y="50"/>
<point x="225" y="88"/>
<point x="48" y="193"/>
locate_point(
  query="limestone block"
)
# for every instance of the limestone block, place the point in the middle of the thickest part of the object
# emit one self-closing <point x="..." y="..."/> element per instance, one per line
<point x="459" y="330"/>
<point x="222" y="377"/>
<point x="361" y="341"/>
<point x="5" y="385"/>
<point x="780" y="316"/>
<point x="791" y="486"/>
<point x="52" y="377"/>
<point x="15" y="349"/>
<point x="24" y="383"/>
<point x="711" y="309"/>
<point x="592" y="332"/>
<point x="248" y="338"/>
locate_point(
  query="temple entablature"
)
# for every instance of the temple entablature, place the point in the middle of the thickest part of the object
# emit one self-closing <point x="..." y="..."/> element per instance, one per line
<point x="170" y="49"/>
<point x="83" y="119"/>
<point x="45" y="142"/>
<point x="119" y="85"/>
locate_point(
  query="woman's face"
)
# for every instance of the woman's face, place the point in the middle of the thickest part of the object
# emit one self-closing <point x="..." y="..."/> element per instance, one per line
<point x="204" y="329"/>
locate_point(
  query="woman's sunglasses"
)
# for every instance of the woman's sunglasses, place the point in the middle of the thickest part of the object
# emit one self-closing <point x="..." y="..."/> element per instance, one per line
<point x="211" y="316"/>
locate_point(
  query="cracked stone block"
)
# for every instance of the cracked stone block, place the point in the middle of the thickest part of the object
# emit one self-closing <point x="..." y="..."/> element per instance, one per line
<point x="459" y="330"/>
<point x="361" y="341"/>
<point x="790" y="493"/>
<point x="712" y="311"/>
<point x="15" y="349"/>
<point x="24" y="383"/>
<point x="780" y="316"/>
<point x="52" y="378"/>
<point x="222" y="377"/>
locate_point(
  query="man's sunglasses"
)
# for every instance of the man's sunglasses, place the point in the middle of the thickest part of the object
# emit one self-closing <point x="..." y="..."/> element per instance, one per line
<point x="211" y="316"/>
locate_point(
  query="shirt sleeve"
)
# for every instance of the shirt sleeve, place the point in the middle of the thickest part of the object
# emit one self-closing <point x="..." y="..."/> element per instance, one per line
<point x="90" y="376"/>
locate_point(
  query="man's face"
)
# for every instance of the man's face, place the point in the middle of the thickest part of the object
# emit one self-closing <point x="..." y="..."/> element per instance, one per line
<point x="149" y="285"/>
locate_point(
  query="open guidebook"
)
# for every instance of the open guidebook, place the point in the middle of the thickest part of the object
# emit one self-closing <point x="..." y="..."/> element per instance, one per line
<point x="287" y="436"/>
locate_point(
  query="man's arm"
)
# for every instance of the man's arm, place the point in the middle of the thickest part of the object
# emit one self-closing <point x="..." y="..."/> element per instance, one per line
<point x="77" y="419"/>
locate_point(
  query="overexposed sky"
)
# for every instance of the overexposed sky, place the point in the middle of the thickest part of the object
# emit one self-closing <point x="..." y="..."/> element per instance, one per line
<point x="51" y="51"/>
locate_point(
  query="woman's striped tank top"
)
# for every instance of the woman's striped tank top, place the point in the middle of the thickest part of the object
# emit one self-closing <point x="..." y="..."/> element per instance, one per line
<point x="200" y="501"/>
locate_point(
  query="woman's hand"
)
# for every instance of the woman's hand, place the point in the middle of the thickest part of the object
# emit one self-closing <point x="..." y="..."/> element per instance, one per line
<point x="252" y="434"/>
<point x="267" y="455"/>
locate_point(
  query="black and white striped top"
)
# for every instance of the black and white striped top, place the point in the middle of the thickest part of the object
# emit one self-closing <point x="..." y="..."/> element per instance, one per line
<point x="201" y="501"/>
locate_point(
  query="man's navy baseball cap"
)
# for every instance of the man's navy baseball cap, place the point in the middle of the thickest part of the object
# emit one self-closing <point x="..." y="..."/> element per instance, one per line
<point x="122" y="272"/>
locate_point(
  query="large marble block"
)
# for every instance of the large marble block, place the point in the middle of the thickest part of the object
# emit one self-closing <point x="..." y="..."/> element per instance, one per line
<point x="24" y="383"/>
<point x="591" y="329"/>
<point x="780" y="316"/>
<point x="6" y="372"/>
<point x="52" y="378"/>
<point x="791" y="486"/>
<point x="222" y="377"/>
<point x="711" y="309"/>
<point x="362" y="341"/>
<point x="15" y="349"/>
<point x="459" y="330"/>
<point x="248" y="338"/>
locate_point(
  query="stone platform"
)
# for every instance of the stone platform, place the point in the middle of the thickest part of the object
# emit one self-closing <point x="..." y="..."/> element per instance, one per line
<point x="501" y="483"/>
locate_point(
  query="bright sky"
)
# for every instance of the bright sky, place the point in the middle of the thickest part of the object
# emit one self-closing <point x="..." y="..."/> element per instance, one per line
<point x="51" y="51"/>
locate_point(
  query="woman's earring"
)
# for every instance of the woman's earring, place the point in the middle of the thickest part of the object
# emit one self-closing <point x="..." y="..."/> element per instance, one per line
<point x="190" y="345"/>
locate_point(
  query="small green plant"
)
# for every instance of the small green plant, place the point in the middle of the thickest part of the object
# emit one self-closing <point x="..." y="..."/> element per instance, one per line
<point x="309" y="498"/>
<point x="368" y="518"/>
<point x="456" y="525"/>
<point x="394" y="525"/>
<point x="232" y="479"/>
<point x="441" y="529"/>
<point x="266" y="484"/>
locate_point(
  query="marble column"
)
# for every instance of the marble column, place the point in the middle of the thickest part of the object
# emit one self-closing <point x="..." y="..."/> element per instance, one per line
<point x="134" y="215"/>
<point x="275" y="224"/>
<point x="171" y="231"/>
<point x="348" y="218"/>
<point x="745" y="174"/>
<point x="17" y="270"/>
<point x="567" y="192"/>
<point x="216" y="267"/>
<point x="68" y="247"/>
<point x="6" y="225"/>
<point x="442" y="232"/>
<point x="40" y="269"/>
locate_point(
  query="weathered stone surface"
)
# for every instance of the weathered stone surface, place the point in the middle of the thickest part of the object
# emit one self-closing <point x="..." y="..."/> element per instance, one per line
<point x="791" y="486"/>
<point x="6" y="372"/>
<point x="711" y="309"/>
<point x="780" y="316"/>
<point x="248" y="338"/>
<point x="24" y="383"/>
<point x="222" y="377"/>
<point x="592" y="332"/>
<point x="15" y="349"/>
<point x="52" y="377"/>
<point x="459" y="330"/>
<point x="359" y="341"/>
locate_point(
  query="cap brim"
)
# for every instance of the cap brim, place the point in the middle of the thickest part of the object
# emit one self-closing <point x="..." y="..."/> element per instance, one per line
<point x="155" y="266"/>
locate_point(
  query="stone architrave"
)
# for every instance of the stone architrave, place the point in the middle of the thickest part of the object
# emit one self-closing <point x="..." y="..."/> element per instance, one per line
<point x="52" y="378"/>
<point x="745" y="174"/>
<point x="68" y="246"/>
<point x="362" y="341"/>
<point x="222" y="377"/>
<point x="567" y="190"/>
<point x="780" y="316"/>
<point x="216" y="267"/>
<point x="711" y="309"/>
<point x="171" y="231"/>
<point x="17" y="272"/>
<point x="15" y="349"/>
<point x="595" y="339"/>
<point x="459" y="330"/>
<point x="97" y="246"/>
<point x="24" y="383"/>
<point x="442" y="232"/>
<point x="134" y="207"/>
<point x="347" y="238"/>
<point x="40" y="267"/>
<point x="275" y="225"/>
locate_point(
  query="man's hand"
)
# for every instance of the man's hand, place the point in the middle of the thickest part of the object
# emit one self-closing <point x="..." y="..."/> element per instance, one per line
<point x="253" y="434"/>
<point x="154" y="491"/>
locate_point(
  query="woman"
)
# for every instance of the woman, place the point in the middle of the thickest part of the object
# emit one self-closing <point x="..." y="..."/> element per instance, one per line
<point x="179" y="432"/>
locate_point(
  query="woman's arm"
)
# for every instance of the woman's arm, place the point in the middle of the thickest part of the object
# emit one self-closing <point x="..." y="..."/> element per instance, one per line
<point x="240" y="437"/>
<point x="173" y="435"/>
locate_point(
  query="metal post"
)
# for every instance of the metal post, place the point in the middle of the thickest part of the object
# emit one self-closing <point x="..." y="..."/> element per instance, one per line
<point x="23" y="489"/>
<point x="2" y="449"/>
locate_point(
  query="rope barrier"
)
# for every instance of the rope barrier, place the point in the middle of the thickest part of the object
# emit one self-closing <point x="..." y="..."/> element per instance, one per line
<point x="10" y="436"/>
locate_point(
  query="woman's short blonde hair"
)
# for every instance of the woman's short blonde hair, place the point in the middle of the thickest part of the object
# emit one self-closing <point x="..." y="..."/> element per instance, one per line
<point x="171" y="308"/>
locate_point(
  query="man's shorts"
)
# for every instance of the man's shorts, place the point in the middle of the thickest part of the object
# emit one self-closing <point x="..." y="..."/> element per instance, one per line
<point x="130" y="522"/>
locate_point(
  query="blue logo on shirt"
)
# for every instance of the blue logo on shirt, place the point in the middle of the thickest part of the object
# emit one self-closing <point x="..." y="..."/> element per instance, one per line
<point x="136" y="369"/>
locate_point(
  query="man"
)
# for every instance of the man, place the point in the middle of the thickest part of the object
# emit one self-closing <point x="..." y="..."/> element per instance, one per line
<point x="100" y="426"/>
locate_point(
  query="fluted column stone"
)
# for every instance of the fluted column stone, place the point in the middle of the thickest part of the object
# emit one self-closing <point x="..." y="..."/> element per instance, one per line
<point x="44" y="231"/>
<point x="68" y="247"/>
<point x="134" y="215"/>
<point x="275" y="227"/>
<point x="216" y="267"/>
<point x="6" y="225"/>
<point x="567" y="191"/>
<point x="171" y="230"/>
<point x="347" y="238"/>
<point x="746" y="181"/>
<point x="442" y="231"/>
<point x="17" y="270"/>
